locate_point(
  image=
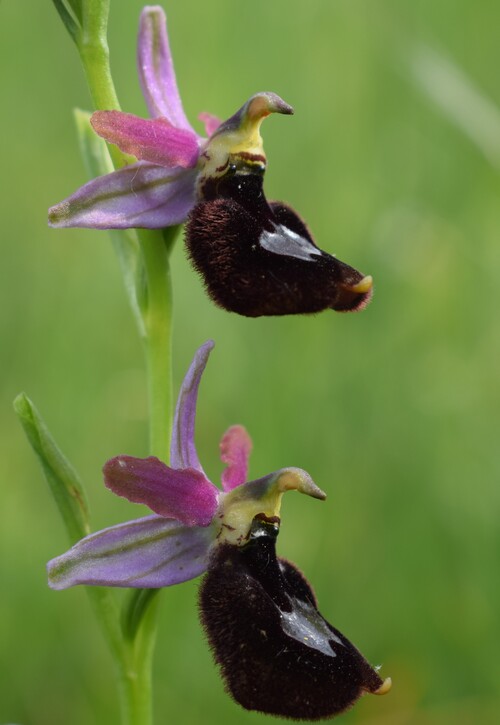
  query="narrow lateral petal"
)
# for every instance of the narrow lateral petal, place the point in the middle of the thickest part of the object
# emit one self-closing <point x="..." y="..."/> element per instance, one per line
<point x="149" y="552"/>
<point x="186" y="494"/>
<point x="183" y="450"/>
<point x="210" y="122"/>
<point x="139" y="195"/>
<point x="235" y="449"/>
<point x="154" y="140"/>
<point x="156" y="68"/>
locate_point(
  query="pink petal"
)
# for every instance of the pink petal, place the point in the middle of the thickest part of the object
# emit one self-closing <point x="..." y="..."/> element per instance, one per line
<point x="186" y="495"/>
<point x="154" y="140"/>
<point x="235" y="448"/>
<point x="183" y="450"/>
<point x="211" y="122"/>
<point x="156" y="68"/>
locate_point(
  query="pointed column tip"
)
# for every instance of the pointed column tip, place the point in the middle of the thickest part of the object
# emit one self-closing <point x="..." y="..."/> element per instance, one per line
<point x="296" y="479"/>
<point x="266" y="102"/>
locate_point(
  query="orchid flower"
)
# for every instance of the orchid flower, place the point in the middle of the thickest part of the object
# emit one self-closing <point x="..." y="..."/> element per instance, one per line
<point x="259" y="612"/>
<point x="190" y="512"/>
<point x="256" y="258"/>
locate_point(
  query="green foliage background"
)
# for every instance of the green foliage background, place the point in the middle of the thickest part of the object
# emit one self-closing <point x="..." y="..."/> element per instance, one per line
<point x="394" y="411"/>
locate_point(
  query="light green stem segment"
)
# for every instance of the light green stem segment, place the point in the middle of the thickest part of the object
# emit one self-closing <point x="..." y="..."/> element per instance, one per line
<point x="144" y="258"/>
<point x="155" y="297"/>
<point x="94" y="53"/>
<point x="132" y="645"/>
<point x="139" y="631"/>
<point x="157" y="316"/>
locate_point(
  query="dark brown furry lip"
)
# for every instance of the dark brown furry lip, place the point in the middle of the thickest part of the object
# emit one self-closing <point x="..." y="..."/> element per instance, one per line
<point x="258" y="258"/>
<point x="276" y="652"/>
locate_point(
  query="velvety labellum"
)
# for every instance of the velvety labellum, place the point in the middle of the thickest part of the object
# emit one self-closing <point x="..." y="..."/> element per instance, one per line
<point x="277" y="653"/>
<point x="258" y="258"/>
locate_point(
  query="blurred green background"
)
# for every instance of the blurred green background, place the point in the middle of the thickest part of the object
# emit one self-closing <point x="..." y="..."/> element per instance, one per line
<point x="393" y="158"/>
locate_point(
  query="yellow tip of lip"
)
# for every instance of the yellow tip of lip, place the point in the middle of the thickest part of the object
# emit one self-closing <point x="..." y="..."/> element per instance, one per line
<point x="384" y="687"/>
<point x="362" y="286"/>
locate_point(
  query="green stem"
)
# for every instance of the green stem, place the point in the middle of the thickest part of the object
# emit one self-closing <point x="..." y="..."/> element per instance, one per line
<point x="95" y="57"/>
<point x="136" y="657"/>
<point x="136" y="672"/>
<point x="135" y="691"/>
<point x="156" y="248"/>
<point x="133" y="649"/>
<point x="94" y="53"/>
<point x="107" y="614"/>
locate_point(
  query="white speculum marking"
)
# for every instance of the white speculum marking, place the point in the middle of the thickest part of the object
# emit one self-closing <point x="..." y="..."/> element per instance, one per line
<point x="289" y="244"/>
<point x="305" y="625"/>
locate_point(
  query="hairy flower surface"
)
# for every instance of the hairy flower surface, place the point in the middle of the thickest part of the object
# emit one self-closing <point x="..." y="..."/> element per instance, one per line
<point x="276" y="652"/>
<point x="258" y="257"/>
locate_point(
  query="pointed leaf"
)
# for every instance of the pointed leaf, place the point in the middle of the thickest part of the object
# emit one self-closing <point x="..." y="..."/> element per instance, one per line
<point x="65" y="485"/>
<point x="137" y="610"/>
<point x="76" y="6"/>
<point x="70" y="13"/>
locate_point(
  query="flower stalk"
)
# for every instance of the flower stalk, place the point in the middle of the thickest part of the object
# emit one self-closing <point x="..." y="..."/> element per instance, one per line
<point x="132" y="643"/>
<point x="94" y="52"/>
<point x="135" y="655"/>
<point x="157" y="317"/>
<point x="139" y="632"/>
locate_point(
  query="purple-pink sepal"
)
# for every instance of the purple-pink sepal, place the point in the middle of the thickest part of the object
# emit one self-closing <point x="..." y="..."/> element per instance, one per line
<point x="180" y="493"/>
<point x="148" y="139"/>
